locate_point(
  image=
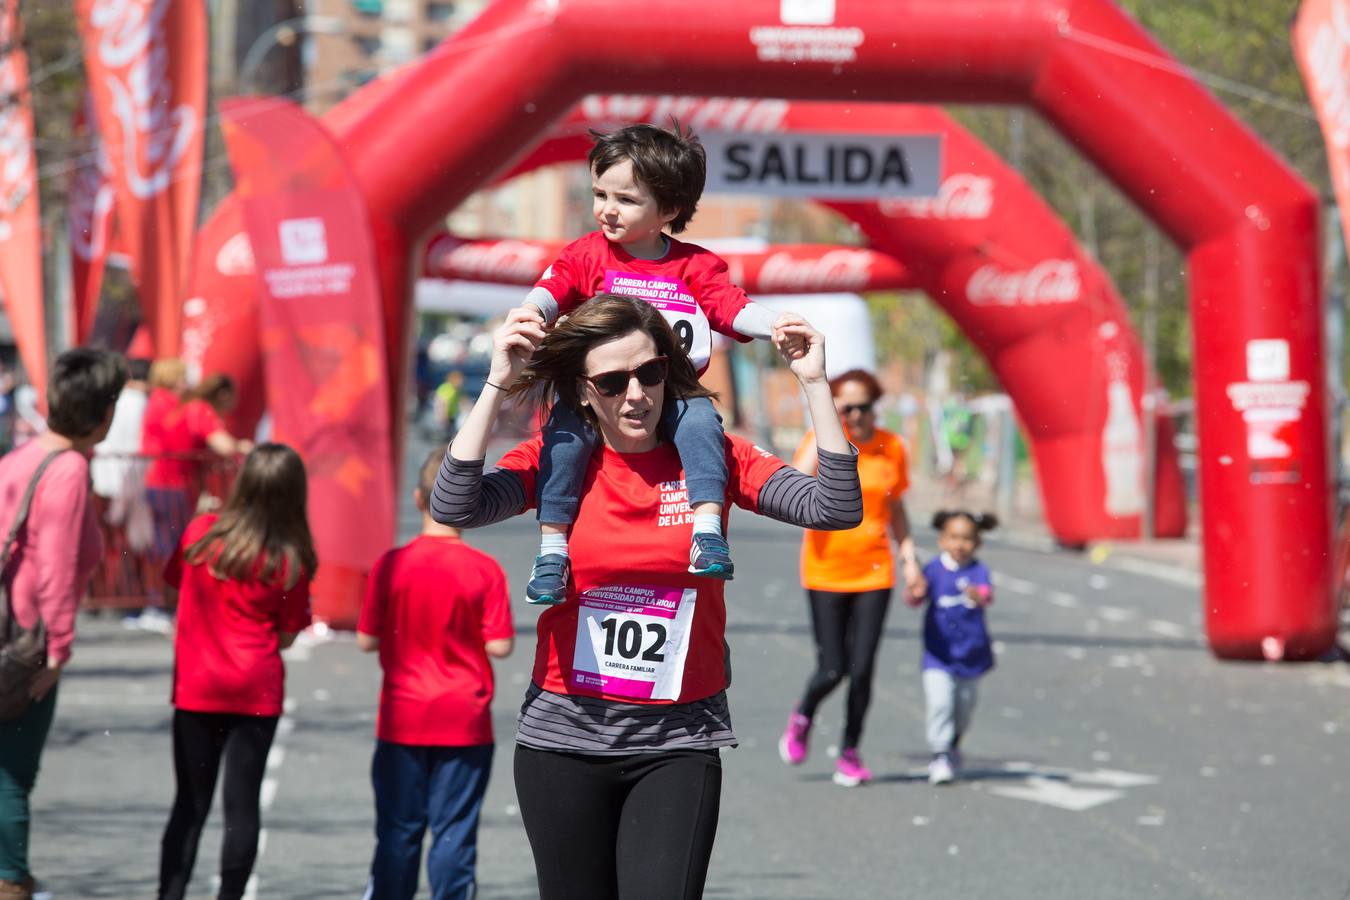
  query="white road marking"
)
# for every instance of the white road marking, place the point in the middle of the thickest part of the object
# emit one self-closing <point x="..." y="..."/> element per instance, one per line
<point x="1016" y="585"/>
<point x="1059" y="794"/>
<point x="1115" y="614"/>
<point x="1114" y="778"/>
<point x="1166" y="628"/>
<point x="1161" y="571"/>
<point x="275" y="757"/>
<point x="1063" y="600"/>
<point x="268" y="793"/>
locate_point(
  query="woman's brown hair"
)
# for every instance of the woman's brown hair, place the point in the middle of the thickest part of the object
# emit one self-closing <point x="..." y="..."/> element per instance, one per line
<point x="262" y="533"/>
<point x="215" y="390"/>
<point x="557" y="366"/>
<point x="863" y="377"/>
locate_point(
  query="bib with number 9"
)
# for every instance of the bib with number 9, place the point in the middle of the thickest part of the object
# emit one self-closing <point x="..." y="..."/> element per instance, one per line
<point x="671" y="296"/>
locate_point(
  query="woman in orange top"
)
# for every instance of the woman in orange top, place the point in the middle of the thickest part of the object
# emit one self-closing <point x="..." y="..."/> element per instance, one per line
<point x="848" y="575"/>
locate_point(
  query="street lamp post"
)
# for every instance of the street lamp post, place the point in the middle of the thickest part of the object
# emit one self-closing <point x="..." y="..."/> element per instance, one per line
<point x="283" y="33"/>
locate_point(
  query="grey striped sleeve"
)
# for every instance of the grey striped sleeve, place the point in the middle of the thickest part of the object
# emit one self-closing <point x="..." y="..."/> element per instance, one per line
<point x="588" y="725"/>
<point x="832" y="501"/>
<point x="466" y="498"/>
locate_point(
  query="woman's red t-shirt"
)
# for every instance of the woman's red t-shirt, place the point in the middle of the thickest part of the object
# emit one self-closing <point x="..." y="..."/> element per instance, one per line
<point x="184" y="431"/>
<point x="227" y="653"/>
<point x="636" y="627"/>
<point x="160" y="405"/>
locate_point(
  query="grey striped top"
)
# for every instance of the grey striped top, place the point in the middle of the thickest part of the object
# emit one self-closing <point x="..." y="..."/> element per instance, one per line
<point x="466" y="497"/>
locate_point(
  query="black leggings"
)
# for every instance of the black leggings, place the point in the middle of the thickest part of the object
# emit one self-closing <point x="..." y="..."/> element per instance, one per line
<point x="636" y="827"/>
<point x="199" y="742"/>
<point x="848" y="631"/>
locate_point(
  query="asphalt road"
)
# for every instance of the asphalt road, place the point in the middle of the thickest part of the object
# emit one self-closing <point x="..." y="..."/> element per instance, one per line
<point x="1111" y="756"/>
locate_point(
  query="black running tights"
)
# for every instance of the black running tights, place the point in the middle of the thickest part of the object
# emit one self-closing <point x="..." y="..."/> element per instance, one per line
<point x="634" y="827"/>
<point x="200" y="741"/>
<point x="848" y="631"/>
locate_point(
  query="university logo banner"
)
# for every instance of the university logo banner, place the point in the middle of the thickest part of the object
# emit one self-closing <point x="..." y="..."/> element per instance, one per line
<point x="322" y="334"/>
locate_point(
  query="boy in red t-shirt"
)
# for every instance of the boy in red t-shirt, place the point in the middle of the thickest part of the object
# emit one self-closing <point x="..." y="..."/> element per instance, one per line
<point x="644" y="179"/>
<point x="435" y="609"/>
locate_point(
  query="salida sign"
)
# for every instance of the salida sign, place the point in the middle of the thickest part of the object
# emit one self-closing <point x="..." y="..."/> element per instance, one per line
<point x="824" y="166"/>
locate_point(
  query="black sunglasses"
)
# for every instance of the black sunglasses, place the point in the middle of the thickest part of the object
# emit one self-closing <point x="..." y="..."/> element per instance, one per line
<point x="612" y="384"/>
<point x="860" y="408"/>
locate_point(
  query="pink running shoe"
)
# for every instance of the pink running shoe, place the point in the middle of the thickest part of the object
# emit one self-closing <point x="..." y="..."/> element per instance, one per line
<point x="849" y="770"/>
<point x="792" y="746"/>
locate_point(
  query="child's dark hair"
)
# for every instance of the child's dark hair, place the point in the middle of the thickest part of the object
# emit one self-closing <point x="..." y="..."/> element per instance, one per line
<point x="671" y="163"/>
<point x="981" y="521"/>
<point x="262" y="533"/>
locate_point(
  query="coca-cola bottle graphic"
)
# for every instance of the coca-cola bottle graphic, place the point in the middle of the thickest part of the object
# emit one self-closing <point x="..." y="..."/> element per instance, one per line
<point x="1122" y="445"/>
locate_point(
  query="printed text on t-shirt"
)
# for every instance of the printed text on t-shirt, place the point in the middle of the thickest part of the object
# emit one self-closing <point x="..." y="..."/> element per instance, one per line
<point x="674" y="509"/>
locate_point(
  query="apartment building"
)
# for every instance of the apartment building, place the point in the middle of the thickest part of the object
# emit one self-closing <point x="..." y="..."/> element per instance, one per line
<point x="350" y="42"/>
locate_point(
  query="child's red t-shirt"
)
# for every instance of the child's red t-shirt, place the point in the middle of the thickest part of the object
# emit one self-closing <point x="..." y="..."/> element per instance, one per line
<point x="183" y="431"/>
<point x="636" y="627"/>
<point x="227" y="653"/>
<point x="689" y="285"/>
<point x="433" y="603"/>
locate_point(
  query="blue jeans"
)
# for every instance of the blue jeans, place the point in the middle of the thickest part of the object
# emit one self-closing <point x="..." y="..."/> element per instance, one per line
<point x="692" y="425"/>
<point x="417" y="787"/>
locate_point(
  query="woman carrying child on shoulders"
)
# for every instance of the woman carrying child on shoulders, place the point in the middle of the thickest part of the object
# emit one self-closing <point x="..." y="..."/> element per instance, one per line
<point x="617" y="766"/>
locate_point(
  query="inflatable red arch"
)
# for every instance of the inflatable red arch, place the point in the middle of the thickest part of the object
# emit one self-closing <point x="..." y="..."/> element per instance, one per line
<point x="989" y="251"/>
<point x="1246" y="222"/>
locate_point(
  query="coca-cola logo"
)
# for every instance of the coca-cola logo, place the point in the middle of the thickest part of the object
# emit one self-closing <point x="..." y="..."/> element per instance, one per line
<point x="1046" y="283"/>
<point x="843" y="269"/>
<point x="961" y="196"/>
<point x="699" y="113"/>
<point x="511" y="262"/>
<point x="133" y="50"/>
<point x="16" y="138"/>
<point x="91" y="202"/>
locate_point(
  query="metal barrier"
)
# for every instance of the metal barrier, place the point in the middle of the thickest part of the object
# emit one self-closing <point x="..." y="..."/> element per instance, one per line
<point x="137" y="536"/>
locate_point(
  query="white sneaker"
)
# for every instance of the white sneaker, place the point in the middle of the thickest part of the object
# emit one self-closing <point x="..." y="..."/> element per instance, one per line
<point x="155" y="620"/>
<point x="940" y="770"/>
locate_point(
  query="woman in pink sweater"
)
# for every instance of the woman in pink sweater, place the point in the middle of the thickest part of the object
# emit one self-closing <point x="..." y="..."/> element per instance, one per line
<point x="54" y="555"/>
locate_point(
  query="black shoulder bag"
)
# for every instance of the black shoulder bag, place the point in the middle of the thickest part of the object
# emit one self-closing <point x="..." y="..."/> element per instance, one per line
<point x="23" y="651"/>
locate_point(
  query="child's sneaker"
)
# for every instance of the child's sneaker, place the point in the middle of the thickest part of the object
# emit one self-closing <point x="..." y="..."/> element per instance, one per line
<point x="548" y="580"/>
<point x="940" y="769"/>
<point x="849" y="770"/>
<point x="792" y="746"/>
<point x="709" y="555"/>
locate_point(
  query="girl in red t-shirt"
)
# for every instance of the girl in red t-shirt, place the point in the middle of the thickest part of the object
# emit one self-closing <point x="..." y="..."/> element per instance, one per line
<point x="243" y="580"/>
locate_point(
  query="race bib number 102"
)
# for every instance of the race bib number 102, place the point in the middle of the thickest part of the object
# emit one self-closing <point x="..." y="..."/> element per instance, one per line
<point x="632" y="640"/>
